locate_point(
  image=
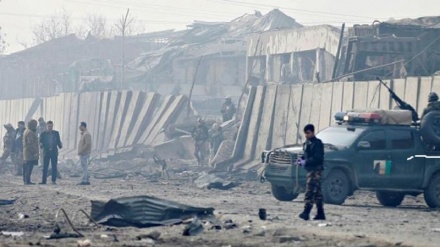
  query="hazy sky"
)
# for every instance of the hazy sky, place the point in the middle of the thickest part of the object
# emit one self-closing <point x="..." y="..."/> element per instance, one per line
<point x="18" y="16"/>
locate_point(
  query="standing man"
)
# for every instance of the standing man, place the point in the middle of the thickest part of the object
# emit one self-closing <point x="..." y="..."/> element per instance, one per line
<point x="8" y="143"/>
<point x="84" y="151"/>
<point x="17" y="149"/>
<point x="30" y="151"/>
<point x="200" y="136"/>
<point x="50" y="141"/>
<point x="215" y="139"/>
<point x="312" y="161"/>
<point x="433" y="104"/>
<point x="42" y="127"/>
<point x="228" y="109"/>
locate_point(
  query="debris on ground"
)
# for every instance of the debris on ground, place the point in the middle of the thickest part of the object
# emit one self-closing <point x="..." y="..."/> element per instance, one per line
<point x="62" y="235"/>
<point x="262" y="214"/>
<point x="144" y="211"/>
<point x="7" y="202"/>
<point x="194" y="228"/>
<point x="12" y="234"/>
<point x="229" y="224"/>
<point x="153" y="235"/>
<point x="211" y="181"/>
<point x="84" y="243"/>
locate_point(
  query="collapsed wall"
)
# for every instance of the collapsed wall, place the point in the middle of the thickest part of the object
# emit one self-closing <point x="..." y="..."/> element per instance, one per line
<point x="275" y="114"/>
<point x="118" y="121"/>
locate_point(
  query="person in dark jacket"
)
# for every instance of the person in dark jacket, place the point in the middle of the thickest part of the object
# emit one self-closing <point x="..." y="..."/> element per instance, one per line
<point x="200" y="135"/>
<point x="17" y="149"/>
<point x="8" y="143"/>
<point x="30" y="151"/>
<point x="228" y="109"/>
<point x="50" y="141"/>
<point x="312" y="161"/>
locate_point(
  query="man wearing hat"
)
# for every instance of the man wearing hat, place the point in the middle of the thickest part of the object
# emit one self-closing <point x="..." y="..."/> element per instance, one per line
<point x="433" y="104"/>
<point x="8" y="142"/>
<point x="17" y="149"/>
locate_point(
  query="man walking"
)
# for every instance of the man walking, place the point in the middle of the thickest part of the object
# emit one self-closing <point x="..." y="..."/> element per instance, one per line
<point x="84" y="150"/>
<point x="312" y="161"/>
<point x="30" y="151"/>
<point x="8" y="143"/>
<point x="50" y="141"/>
<point x="200" y="136"/>
<point x="17" y="149"/>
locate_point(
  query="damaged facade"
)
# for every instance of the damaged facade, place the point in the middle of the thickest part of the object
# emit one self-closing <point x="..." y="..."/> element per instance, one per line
<point x="292" y="55"/>
<point x="393" y="49"/>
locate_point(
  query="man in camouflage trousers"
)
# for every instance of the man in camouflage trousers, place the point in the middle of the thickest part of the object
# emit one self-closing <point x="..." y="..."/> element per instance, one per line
<point x="200" y="136"/>
<point x="312" y="161"/>
<point x="433" y="104"/>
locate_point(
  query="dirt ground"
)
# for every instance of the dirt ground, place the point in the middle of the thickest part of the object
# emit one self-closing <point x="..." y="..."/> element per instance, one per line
<point x="360" y="222"/>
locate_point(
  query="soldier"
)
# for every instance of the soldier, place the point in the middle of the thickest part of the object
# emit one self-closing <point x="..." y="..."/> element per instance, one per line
<point x="228" y="109"/>
<point x="312" y="161"/>
<point x="8" y="143"/>
<point x="17" y="149"/>
<point x="84" y="151"/>
<point x="30" y="151"/>
<point x="50" y="141"/>
<point x="215" y="139"/>
<point x="42" y="126"/>
<point x="433" y="104"/>
<point x="200" y="136"/>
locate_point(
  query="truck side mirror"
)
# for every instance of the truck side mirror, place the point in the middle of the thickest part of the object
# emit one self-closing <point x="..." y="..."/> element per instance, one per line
<point x="363" y="145"/>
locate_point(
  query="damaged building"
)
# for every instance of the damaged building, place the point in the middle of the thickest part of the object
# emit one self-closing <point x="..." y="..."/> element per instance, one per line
<point x="392" y="49"/>
<point x="293" y="55"/>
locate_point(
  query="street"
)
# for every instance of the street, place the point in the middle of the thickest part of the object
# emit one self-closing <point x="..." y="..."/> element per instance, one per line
<point x="361" y="221"/>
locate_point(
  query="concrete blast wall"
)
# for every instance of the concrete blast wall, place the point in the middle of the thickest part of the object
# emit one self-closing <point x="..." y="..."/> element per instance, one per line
<point x="279" y="112"/>
<point x="116" y="120"/>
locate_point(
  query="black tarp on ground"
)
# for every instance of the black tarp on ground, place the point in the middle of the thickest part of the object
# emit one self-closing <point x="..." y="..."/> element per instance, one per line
<point x="144" y="211"/>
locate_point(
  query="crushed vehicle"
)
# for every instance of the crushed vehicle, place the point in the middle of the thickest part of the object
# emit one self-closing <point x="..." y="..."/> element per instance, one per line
<point x="388" y="152"/>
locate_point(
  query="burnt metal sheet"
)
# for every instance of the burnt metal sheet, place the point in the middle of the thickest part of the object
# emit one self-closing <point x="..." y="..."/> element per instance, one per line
<point x="144" y="211"/>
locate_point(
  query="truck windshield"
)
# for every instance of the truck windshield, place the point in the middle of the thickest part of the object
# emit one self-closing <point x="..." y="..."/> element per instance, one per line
<point x="339" y="136"/>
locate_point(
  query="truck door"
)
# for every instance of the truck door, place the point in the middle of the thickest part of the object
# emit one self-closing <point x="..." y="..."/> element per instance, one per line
<point x="403" y="173"/>
<point x="371" y="151"/>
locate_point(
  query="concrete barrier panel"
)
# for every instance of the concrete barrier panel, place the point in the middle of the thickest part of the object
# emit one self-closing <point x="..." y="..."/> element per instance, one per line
<point x="326" y="106"/>
<point x="264" y="138"/>
<point x="385" y="98"/>
<point x="254" y="124"/>
<point x="338" y="92"/>
<point x="424" y="90"/>
<point x="74" y="121"/>
<point x="280" y="118"/>
<point x="242" y="132"/>
<point x="105" y="102"/>
<point x="347" y="103"/>
<point x="360" y="94"/>
<point x="412" y="91"/>
<point x="436" y="84"/>
<point x="137" y="102"/>
<point x="306" y="108"/>
<point x="399" y="89"/>
<point x="67" y="124"/>
<point x="296" y="92"/>
<point x="373" y="99"/>
<point x="122" y="110"/>
<point x="144" y="119"/>
<point x="166" y="102"/>
<point x="316" y="105"/>
<point x="94" y="117"/>
<point x="170" y="116"/>
<point x="115" y="101"/>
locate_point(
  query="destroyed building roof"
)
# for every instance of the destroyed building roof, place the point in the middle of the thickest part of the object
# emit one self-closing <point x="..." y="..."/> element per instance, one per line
<point x="425" y="22"/>
<point x="275" y="19"/>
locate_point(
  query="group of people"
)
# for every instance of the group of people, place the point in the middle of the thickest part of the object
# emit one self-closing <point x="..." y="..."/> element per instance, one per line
<point x="40" y="142"/>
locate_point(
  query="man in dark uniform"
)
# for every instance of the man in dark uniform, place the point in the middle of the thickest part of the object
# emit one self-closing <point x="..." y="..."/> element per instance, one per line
<point x="228" y="109"/>
<point x="433" y="104"/>
<point x="17" y="149"/>
<point x="50" y="141"/>
<point x="312" y="161"/>
<point x="200" y="136"/>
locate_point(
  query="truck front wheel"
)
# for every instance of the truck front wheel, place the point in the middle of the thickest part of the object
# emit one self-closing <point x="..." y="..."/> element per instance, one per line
<point x="281" y="194"/>
<point x="432" y="193"/>
<point x="389" y="199"/>
<point x="336" y="187"/>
